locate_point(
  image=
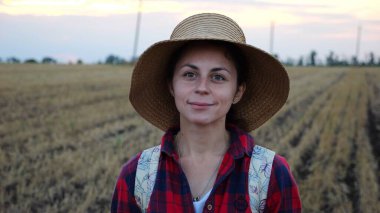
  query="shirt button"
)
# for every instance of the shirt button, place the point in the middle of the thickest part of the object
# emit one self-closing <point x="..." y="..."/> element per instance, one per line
<point x="209" y="207"/>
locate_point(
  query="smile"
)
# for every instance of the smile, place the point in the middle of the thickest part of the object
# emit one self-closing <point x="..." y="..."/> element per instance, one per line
<point x="200" y="105"/>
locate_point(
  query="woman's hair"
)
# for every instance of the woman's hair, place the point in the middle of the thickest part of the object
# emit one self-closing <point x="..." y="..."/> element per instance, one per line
<point x="231" y="52"/>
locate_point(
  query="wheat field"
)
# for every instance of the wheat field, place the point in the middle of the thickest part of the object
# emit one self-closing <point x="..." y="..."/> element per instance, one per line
<point x="66" y="130"/>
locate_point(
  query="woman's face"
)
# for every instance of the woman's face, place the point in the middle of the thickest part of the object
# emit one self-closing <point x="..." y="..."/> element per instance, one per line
<point x="204" y="85"/>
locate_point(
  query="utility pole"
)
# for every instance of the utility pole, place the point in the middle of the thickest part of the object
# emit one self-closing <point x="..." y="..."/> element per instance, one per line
<point x="358" y="35"/>
<point x="271" y="38"/>
<point x="137" y="32"/>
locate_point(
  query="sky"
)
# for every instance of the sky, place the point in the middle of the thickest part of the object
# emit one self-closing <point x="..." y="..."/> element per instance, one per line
<point x="90" y="30"/>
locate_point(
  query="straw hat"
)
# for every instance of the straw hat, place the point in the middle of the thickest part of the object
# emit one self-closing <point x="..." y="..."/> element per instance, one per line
<point x="267" y="83"/>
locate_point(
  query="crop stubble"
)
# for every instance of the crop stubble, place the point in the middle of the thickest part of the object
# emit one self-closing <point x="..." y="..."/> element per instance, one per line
<point x="66" y="130"/>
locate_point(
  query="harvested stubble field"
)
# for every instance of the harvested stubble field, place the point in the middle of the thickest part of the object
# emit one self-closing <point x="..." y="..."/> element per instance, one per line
<point x="66" y="130"/>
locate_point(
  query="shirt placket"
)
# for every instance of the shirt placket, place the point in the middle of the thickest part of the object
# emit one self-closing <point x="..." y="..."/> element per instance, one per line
<point x="226" y="168"/>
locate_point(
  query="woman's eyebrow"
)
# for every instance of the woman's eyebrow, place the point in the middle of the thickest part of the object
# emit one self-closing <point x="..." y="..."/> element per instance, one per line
<point x="216" y="69"/>
<point x="190" y="65"/>
<point x="219" y="69"/>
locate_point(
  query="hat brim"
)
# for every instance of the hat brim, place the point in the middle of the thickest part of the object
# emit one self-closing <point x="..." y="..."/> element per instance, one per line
<point x="267" y="86"/>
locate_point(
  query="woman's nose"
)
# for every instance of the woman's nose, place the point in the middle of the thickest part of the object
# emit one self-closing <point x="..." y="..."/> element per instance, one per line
<point x="202" y="86"/>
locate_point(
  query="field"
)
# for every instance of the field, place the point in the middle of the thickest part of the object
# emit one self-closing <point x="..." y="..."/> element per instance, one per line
<point x="65" y="131"/>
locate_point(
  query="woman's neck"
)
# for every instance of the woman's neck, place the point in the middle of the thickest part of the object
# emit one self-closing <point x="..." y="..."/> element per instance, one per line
<point x="198" y="141"/>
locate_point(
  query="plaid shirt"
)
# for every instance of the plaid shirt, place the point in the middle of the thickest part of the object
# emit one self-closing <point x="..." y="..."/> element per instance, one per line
<point x="230" y="192"/>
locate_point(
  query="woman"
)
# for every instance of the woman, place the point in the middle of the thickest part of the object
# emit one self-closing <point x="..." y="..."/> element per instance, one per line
<point x="206" y="88"/>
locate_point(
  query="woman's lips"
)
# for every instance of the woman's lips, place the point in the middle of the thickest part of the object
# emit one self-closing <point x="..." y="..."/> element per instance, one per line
<point x="200" y="105"/>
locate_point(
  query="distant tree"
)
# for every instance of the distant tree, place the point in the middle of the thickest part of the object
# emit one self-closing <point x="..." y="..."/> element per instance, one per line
<point x="300" y="61"/>
<point x="371" y="59"/>
<point x="30" y="61"/>
<point x="312" y="58"/>
<point x="79" y="61"/>
<point x="354" y="61"/>
<point x="48" y="60"/>
<point x="289" y="62"/>
<point x="343" y="62"/>
<point x="331" y="59"/>
<point x="123" y="61"/>
<point x="113" y="59"/>
<point x="334" y="60"/>
<point x="13" y="60"/>
<point x="1" y="60"/>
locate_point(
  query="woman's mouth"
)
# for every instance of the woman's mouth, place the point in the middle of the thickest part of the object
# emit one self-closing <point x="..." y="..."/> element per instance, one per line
<point x="200" y="105"/>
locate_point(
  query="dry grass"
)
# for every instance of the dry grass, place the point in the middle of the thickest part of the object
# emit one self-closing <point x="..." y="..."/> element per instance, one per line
<point x="66" y="130"/>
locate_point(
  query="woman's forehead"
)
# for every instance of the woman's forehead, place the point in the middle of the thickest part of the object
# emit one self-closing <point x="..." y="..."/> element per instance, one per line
<point x="207" y="57"/>
<point x="203" y="49"/>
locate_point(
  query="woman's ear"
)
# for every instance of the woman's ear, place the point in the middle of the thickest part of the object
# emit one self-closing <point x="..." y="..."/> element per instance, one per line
<point x="239" y="93"/>
<point x="170" y="86"/>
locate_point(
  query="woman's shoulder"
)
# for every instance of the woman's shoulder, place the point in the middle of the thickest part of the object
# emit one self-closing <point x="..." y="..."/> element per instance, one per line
<point x="283" y="194"/>
<point x="279" y="162"/>
<point x="129" y="168"/>
<point x="281" y="173"/>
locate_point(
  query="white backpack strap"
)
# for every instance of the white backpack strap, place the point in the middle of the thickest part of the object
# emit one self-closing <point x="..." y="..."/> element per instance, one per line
<point x="146" y="173"/>
<point x="259" y="173"/>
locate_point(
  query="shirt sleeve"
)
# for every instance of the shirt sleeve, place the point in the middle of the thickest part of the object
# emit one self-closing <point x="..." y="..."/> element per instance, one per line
<point x="283" y="195"/>
<point x="123" y="199"/>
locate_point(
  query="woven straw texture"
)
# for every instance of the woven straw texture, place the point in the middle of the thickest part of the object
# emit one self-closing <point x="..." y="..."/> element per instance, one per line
<point x="267" y="83"/>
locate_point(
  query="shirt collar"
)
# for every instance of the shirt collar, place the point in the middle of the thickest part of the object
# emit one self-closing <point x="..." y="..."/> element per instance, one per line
<point x="240" y="142"/>
<point x="167" y="142"/>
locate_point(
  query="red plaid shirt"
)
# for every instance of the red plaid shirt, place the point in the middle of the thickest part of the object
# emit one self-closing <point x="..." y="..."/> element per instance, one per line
<point x="230" y="192"/>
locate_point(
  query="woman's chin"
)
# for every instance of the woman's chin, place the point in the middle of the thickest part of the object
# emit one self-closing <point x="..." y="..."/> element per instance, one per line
<point x="203" y="121"/>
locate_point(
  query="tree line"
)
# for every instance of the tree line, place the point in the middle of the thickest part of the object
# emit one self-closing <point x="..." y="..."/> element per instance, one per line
<point x="311" y="59"/>
<point x="332" y="59"/>
<point x="110" y="59"/>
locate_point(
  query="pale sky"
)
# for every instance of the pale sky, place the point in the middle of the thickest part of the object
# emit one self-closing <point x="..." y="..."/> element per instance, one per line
<point x="92" y="29"/>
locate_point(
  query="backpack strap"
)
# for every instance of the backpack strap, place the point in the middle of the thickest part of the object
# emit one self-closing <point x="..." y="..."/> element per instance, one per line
<point x="146" y="172"/>
<point x="259" y="172"/>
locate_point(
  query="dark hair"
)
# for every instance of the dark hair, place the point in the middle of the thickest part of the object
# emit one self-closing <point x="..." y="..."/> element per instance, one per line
<point x="232" y="53"/>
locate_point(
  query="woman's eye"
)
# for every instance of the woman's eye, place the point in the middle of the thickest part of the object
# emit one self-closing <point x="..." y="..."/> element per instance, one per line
<point x="218" y="77"/>
<point x="189" y="75"/>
